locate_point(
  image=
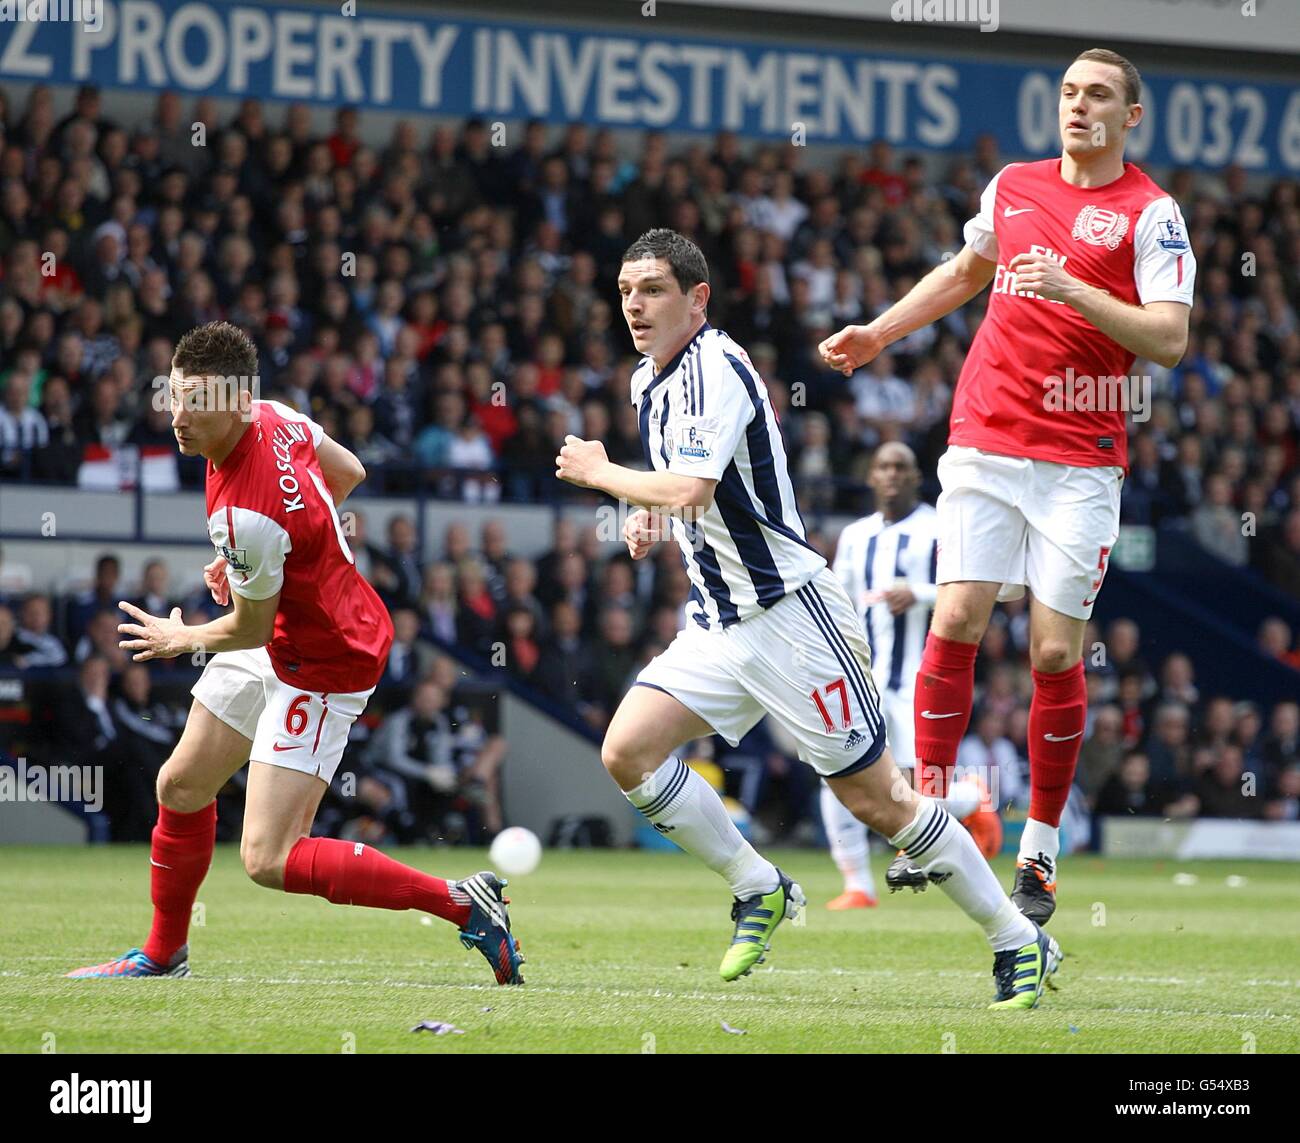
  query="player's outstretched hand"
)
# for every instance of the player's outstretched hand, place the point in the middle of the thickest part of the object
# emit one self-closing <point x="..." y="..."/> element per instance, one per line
<point x="152" y="637"/>
<point x="580" y="461"/>
<point x="852" y="347"/>
<point x="642" y="530"/>
<point x="214" y="575"/>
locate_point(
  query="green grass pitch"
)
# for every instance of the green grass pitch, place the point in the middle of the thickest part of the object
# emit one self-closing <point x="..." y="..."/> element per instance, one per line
<point x="623" y="949"/>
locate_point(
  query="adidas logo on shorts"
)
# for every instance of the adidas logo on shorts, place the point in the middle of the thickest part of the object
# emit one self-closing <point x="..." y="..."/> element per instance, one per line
<point x="854" y="740"/>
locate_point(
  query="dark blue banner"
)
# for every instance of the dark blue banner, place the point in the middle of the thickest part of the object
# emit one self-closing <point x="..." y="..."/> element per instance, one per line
<point x="416" y="61"/>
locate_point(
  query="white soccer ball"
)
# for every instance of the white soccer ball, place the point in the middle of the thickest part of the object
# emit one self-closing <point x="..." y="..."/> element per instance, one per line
<point x="516" y="851"/>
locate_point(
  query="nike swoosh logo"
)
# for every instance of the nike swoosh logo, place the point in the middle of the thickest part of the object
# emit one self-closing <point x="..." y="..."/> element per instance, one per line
<point x="158" y="864"/>
<point x="1010" y="213"/>
<point x="1089" y="602"/>
<point x="295" y="746"/>
<point x="931" y="714"/>
<point x="1053" y="738"/>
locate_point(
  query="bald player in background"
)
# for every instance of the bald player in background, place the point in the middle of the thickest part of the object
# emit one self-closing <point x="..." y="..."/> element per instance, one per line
<point x="886" y="562"/>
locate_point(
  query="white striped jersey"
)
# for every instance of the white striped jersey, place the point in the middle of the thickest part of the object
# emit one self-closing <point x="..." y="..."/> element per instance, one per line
<point x="874" y="555"/>
<point x="707" y="414"/>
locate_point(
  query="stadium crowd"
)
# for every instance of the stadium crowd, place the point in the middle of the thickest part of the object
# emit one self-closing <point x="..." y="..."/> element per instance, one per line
<point x="574" y="626"/>
<point x="446" y="308"/>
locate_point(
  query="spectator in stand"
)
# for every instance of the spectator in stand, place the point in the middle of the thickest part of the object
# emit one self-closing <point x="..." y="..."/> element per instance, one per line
<point x="566" y="670"/>
<point x="1223" y="790"/>
<point x="411" y="657"/>
<point x="396" y="571"/>
<point x="104" y="593"/>
<point x="1132" y="709"/>
<point x="520" y="584"/>
<point x="1284" y="803"/>
<point x="1102" y="753"/>
<point x="1280" y="749"/>
<point x="1217" y="525"/>
<point x="22" y="428"/>
<point x="1128" y="792"/>
<point x="439" y="605"/>
<point x="14" y="649"/>
<point x="1274" y="642"/>
<point x="495" y="554"/>
<point x="521" y="650"/>
<point x="614" y="657"/>
<point x="154" y="596"/>
<point x="476" y="625"/>
<point x="35" y="619"/>
<point x="146" y="733"/>
<point x="1280" y="554"/>
<point x="85" y="734"/>
<point x="101" y="640"/>
<point x="1178" y="683"/>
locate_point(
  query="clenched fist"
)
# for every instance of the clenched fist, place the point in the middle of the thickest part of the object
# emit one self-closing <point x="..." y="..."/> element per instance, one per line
<point x="580" y="461"/>
<point x="852" y="347"/>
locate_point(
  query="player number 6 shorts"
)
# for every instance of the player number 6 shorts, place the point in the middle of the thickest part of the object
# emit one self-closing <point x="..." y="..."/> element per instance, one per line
<point x="289" y="727"/>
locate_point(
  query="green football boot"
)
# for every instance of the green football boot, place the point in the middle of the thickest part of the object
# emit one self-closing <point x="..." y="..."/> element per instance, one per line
<point x="1021" y="974"/>
<point x="756" y="920"/>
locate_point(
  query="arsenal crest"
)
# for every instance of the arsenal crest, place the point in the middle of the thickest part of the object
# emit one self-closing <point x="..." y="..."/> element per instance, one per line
<point x="1098" y="226"/>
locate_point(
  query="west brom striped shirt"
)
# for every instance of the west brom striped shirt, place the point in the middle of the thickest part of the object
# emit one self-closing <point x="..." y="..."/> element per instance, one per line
<point x="707" y="414"/>
<point x="875" y="554"/>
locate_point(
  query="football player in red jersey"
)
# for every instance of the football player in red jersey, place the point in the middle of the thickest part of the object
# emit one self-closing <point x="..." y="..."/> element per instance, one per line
<point x="1091" y="268"/>
<point x="286" y="672"/>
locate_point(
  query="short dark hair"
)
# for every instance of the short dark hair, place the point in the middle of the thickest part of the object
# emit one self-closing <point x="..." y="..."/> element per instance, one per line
<point x="687" y="260"/>
<point x="1132" y="81"/>
<point x="217" y="349"/>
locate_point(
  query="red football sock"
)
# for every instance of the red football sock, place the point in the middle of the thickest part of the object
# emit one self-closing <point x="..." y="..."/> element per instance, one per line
<point x="945" y="686"/>
<point x="1056" y="717"/>
<point x="350" y="873"/>
<point x="179" y="856"/>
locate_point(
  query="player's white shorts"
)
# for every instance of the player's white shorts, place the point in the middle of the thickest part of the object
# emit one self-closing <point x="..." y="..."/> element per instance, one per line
<point x="1022" y="522"/>
<point x="289" y="727"/>
<point x="805" y="661"/>
<point x="899" y="725"/>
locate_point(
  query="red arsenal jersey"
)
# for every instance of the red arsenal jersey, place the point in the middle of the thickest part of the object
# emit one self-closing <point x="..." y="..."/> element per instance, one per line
<point x="1040" y="380"/>
<point x="271" y="516"/>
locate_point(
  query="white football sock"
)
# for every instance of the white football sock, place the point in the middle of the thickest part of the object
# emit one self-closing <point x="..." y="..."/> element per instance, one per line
<point x="1040" y="838"/>
<point x="848" y="842"/>
<point x="688" y="811"/>
<point x="940" y="846"/>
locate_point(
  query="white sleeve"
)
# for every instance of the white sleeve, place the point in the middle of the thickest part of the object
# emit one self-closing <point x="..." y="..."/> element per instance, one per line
<point x="978" y="231"/>
<point x="254" y="547"/>
<point x="846" y="561"/>
<point x="1164" y="267"/>
<point x="710" y="410"/>
<point x="292" y="415"/>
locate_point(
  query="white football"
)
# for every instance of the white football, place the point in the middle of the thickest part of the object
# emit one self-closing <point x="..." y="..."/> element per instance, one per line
<point x="516" y="851"/>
